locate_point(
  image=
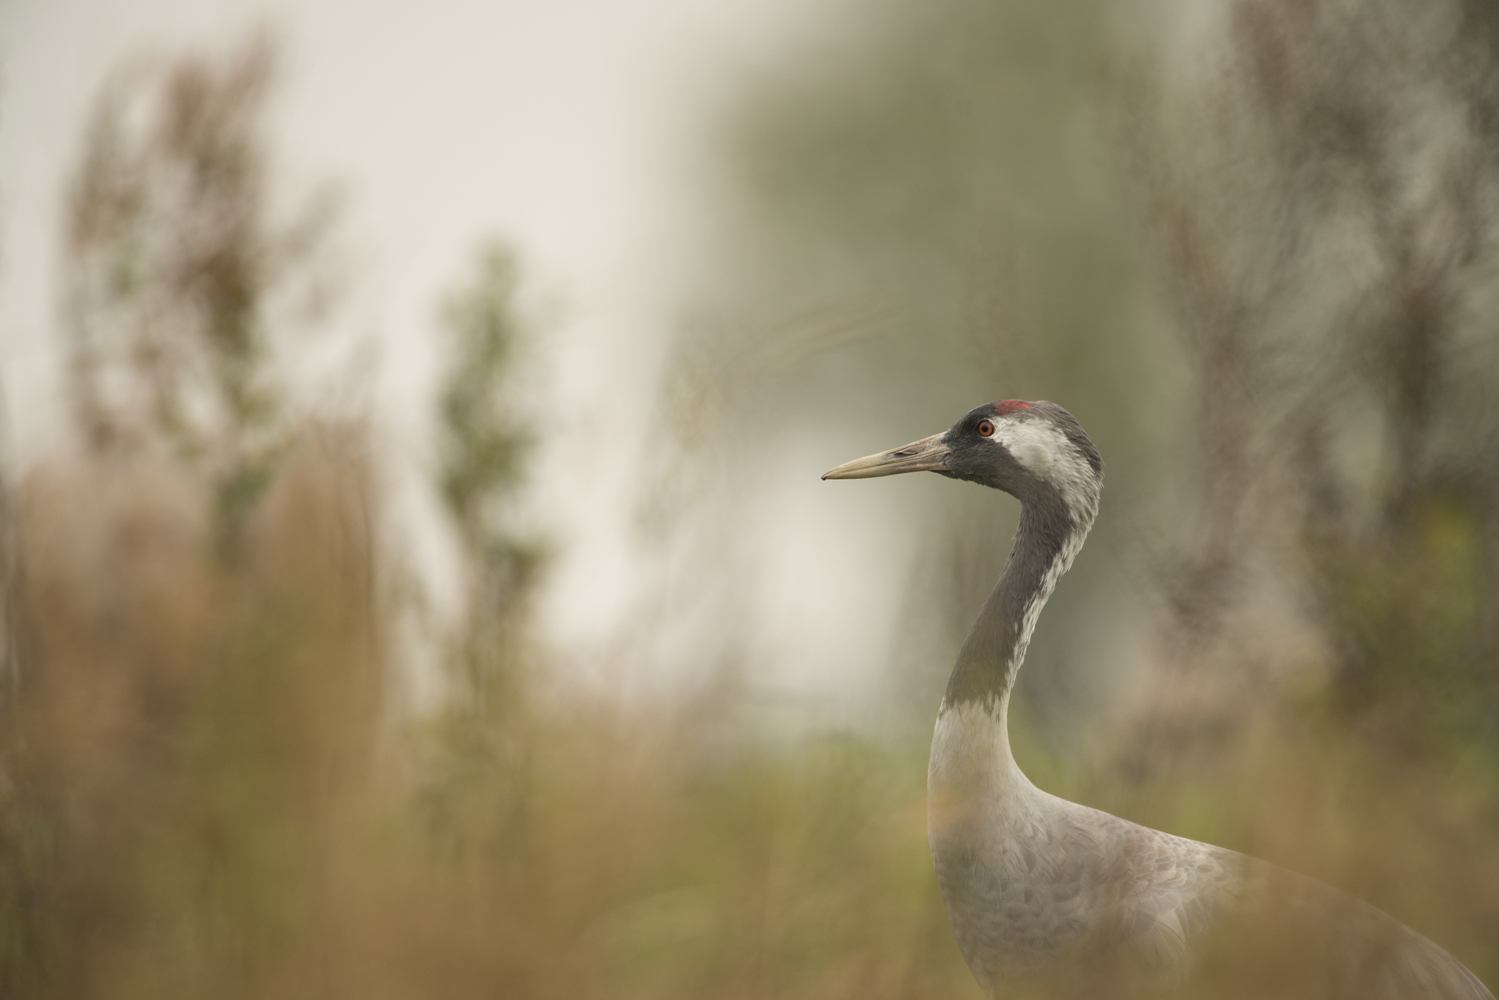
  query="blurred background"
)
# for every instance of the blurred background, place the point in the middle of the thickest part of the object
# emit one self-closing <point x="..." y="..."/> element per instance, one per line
<point x="417" y="579"/>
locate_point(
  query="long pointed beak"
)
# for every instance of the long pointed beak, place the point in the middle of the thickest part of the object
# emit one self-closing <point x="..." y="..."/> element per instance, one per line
<point x="927" y="455"/>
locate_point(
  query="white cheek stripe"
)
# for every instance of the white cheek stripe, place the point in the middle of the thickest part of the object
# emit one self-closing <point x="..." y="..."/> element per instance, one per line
<point x="1044" y="452"/>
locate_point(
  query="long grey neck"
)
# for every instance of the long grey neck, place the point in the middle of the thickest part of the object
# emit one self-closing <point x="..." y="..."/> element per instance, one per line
<point x="1046" y="542"/>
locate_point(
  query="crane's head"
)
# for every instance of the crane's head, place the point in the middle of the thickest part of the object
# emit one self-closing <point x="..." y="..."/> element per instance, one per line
<point x="1036" y="452"/>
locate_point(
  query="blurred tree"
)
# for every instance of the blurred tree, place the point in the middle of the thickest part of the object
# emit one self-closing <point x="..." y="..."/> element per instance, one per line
<point x="486" y="438"/>
<point x="1251" y="245"/>
<point x="961" y="201"/>
<point x="174" y="273"/>
<point x="479" y="784"/>
<point x="920" y="213"/>
<point x="186" y="729"/>
<point x="1327" y="220"/>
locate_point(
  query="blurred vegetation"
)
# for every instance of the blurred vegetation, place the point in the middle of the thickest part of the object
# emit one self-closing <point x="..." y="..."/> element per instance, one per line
<point x="1253" y="250"/>
<point x="1257" y="264"/>
<point x="923" y="210"/>
<point x="486" y="439"/>
<point x="205" y="792"/>
<point x="176" y="273"/>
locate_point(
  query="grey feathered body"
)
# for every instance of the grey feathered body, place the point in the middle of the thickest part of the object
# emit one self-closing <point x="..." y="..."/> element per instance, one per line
<point x="1035" y="884"/>
<point x="1051" y="898"/>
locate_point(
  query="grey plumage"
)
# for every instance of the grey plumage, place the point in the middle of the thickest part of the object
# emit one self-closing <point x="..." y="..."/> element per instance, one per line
<point x="1051" y="898"/>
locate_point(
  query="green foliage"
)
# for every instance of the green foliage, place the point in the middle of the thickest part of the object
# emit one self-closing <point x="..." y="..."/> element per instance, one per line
<point x="486" y="438"/>
<point x="1416" y="664"/>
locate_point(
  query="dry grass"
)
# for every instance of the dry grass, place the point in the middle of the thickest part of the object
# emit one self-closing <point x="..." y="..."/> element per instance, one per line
<point x="197" y="805"/>
<point x="200" y="803"/>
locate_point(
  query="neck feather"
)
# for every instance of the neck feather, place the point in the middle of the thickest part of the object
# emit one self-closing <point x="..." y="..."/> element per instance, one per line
<point x="1045" y="544"/>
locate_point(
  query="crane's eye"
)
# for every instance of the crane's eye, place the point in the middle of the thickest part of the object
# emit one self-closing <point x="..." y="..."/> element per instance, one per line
<point x="986" y="428"/>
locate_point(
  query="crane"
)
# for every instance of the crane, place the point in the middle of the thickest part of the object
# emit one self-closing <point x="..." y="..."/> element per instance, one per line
<point x="1049" y="898"/>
